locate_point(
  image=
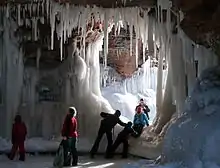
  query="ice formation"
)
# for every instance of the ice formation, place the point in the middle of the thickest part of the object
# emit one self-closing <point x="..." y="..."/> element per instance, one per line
<point x="200" y="118"/>
<point x="79" y="76"/>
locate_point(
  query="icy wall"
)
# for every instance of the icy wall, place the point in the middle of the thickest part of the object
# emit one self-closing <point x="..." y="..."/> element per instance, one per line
<point x="193" y="138"/>
<point x="124" y="94"/>
<point x="11" y="66"/>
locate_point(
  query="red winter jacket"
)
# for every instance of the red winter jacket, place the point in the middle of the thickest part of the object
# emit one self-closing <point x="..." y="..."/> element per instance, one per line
<point x="19" y="132"/>
<point x="70" y="127"/>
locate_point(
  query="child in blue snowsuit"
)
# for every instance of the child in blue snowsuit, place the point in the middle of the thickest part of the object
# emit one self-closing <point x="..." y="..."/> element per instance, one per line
<point x="140" y="121"/>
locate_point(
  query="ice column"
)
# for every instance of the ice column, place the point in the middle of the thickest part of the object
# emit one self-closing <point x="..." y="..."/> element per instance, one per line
<point x="106" y="38"/>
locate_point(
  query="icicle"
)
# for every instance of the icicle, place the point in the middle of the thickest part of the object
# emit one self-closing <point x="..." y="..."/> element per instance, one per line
<point x="38" y="9"/>
<point x="79" y="23"/>
<point x="34" y="9"/>
<point x="61" y="47"/>
<point x="144" y="46"/>
<point x="7" y="10"/>
<point x="52" y="24"/>
<point x="106" y="38"/>
<point x="48" y="8"/>
<point x="136" y="55"/>
<point x="38" y="56"/>
<point x="42" y="20"/>
<point x="131" y="37"/>
<point x="19" y="14"/>
<point x="30" y="9"/>
<point x="35" y="28"/>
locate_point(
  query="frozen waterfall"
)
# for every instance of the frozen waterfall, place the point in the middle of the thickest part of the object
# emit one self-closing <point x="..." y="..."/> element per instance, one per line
<point x="125" y="94"/>
<point x="80" y="81"/>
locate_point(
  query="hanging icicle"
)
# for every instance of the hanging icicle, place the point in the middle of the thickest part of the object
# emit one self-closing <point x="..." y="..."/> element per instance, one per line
<point x="19" y="14"/>
<point x="106" y="38"/>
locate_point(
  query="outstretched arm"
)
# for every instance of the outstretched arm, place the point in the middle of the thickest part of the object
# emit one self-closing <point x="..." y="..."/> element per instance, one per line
<point x="104" y="115"/>
<point x="121" y="123"/>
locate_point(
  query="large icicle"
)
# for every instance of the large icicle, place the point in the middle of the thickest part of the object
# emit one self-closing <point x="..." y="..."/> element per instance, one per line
<point x="106" y="38"/>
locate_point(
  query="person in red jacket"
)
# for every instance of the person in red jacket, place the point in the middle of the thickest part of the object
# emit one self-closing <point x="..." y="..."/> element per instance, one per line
<point x="69" y="133"/>
<point x="19" y="132"/>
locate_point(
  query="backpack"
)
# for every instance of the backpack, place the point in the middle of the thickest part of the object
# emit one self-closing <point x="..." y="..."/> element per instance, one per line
<point x="146" y="109"/>
<point x="59" y="158"/>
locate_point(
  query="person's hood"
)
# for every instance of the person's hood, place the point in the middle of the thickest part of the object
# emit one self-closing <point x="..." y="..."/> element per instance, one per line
<point x="74" y="109"/>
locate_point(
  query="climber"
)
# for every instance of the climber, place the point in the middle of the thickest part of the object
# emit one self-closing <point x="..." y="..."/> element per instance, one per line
<point x="123" y="138"/>
<point x="19" y="132"/>
<point x="69" y="133"/>
<point x="107" y="124"/>
<point x="145" y="108"/>
<point x="140" y="121"/>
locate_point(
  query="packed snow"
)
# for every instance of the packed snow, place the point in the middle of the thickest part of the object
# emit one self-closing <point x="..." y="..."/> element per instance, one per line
<point x="47" y="161"/>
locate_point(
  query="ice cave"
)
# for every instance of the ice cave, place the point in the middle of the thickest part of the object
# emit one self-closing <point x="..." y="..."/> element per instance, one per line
<point x="100" y="56"/>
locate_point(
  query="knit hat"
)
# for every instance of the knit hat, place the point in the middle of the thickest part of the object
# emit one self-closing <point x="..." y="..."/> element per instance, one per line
<point x="72" y="111"/>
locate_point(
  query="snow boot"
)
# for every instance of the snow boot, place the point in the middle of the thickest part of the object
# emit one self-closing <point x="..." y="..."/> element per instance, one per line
<point x="22" y="157"/>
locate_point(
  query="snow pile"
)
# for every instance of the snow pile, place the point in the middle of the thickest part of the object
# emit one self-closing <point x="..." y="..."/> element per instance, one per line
<point x="4" y="144"/>
<point x="39" y="144"/>
<point x="193" y="139"/>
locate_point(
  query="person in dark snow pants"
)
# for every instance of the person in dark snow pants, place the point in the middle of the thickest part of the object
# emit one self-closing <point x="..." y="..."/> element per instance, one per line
<point x="123" y="138"/>
<point x="19" y="132"/>
<point x="140" y="121"/>
<point x="69" y="133"/>
<point x="107" y="124"/>
<point x="145" y="108"/>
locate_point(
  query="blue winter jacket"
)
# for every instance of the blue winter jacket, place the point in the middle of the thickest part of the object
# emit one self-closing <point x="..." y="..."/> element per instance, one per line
<point x="140" y="118"/>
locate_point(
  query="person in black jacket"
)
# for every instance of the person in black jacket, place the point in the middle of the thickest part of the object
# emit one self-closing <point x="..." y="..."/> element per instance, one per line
<point x="145" y="108"/>
<point x="123" y="138"/>
<point x="107" y="124"/>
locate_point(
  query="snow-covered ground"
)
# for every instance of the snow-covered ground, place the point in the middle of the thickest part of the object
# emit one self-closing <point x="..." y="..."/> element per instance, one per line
<point x="84" y="162"/>
<point x="43" y="145"/>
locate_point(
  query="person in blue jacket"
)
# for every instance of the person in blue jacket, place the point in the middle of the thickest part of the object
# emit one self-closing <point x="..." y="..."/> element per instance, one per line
<point x="140" y="121"/>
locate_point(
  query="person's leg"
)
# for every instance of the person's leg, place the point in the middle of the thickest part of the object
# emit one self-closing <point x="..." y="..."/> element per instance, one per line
<point x="21" y="151"/>
<point x="125" y="148"/>
<point x="139" y="129"/>
<point x="74" y="151"/>
<point x="110" y="142"/>
<point x="13" y="151"/>
<point x="115" y="145"/>
<point x="97" y="141"/>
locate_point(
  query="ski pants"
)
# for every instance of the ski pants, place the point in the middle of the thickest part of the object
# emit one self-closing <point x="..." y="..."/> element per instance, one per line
<point x="138" y="128"/>
<point x="70" y="151"/>
<point x="101" y="132"/>
<point x="15" y="147"/>
<point x="121" y="140"/>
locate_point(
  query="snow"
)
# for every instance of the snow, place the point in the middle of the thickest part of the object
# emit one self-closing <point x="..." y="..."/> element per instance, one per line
<point x="47" y="161"/>
<point x="125" y="94"/>
<point x="193" y="138"/>
<point x="39" y="144"/>
<point x="83" y="82"/>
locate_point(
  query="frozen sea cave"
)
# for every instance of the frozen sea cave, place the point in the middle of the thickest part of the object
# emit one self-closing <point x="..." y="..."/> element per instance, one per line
<point x="181" y="88"/>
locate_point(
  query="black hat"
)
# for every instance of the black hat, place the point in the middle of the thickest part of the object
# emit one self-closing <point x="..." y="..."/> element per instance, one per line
<point x="117" y="113"/>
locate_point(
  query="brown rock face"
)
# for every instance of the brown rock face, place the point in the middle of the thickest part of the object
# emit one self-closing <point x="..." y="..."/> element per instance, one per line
<point x="201" y="22"/>
<point x="119" y="54"/>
